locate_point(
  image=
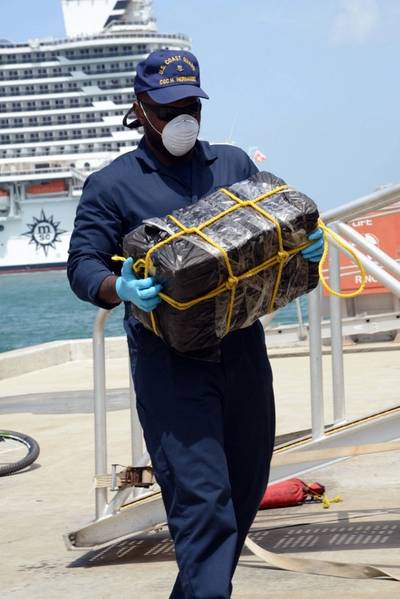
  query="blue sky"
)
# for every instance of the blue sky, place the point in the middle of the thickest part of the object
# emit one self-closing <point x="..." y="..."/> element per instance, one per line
<point x="314" y="85"/>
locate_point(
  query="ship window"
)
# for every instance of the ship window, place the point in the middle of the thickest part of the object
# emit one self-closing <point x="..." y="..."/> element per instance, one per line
<point x="75" y="117"/>
<point x="19" y="136"/>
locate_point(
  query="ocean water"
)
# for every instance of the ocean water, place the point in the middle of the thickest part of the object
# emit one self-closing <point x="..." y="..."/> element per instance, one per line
<point x="40" y="307"/>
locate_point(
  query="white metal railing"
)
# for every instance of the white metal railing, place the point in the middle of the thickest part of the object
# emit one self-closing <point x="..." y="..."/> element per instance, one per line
<point x="345" y="213"/>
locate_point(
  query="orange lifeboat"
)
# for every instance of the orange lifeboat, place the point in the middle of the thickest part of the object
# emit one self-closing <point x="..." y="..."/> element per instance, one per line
<point x="46" y="187"/>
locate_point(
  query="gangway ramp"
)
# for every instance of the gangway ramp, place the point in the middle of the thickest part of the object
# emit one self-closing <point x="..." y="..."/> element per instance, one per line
<point x="146" y="512"/>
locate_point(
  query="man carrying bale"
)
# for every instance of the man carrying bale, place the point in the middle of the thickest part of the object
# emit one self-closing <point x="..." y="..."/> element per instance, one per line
<point x="209" y="425"/>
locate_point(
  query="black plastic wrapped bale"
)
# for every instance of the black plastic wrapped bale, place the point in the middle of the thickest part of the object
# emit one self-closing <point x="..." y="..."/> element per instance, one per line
<point x="240" y="263"/>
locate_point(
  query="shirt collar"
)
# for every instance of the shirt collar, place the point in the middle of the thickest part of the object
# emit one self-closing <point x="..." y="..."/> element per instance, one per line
<point x="203" y="152"/>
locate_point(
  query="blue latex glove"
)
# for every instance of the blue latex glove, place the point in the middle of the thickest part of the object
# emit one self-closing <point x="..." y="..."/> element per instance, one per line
<point x="141" y="292"/>
<point x="314" y="252"/>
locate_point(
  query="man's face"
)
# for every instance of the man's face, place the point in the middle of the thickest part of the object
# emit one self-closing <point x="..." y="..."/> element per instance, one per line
<point x="160" y="114"/>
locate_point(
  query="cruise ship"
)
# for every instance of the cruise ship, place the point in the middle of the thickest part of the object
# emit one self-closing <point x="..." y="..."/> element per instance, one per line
<point x="61" y="108"/>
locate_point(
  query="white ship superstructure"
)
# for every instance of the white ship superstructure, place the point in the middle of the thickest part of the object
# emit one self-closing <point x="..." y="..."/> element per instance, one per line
<point x="61" y="108"/>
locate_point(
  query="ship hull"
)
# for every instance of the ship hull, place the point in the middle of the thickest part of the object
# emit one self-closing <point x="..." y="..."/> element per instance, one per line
<point x="38" y="238"/>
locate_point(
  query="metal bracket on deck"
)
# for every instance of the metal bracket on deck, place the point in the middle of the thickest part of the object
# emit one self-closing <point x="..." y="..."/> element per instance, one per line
<point x="130" y="476"/>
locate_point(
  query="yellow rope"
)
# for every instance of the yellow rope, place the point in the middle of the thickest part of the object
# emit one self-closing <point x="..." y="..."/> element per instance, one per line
<point x="329" y="233"/>
<point x="233" y="280"/>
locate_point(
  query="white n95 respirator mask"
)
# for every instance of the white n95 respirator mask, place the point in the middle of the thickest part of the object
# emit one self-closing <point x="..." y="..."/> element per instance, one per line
<point x="179" y="134"/>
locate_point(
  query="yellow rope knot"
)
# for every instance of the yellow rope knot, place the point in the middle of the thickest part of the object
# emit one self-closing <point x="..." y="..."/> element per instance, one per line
<point x="231" y="282"/>
<point x="139" y="265"/>
<point x="283" y="256"/>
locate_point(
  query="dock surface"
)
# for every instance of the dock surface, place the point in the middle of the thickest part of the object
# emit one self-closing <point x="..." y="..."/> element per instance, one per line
<point x="54" y="405"/>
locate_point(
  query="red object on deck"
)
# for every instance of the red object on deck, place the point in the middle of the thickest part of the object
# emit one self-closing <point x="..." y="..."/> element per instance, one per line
<point x="289" y="493"/>
<point x="47" y="187"/>
<point x="4" y="192"/>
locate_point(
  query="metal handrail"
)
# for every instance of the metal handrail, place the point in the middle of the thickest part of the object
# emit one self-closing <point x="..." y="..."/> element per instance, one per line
<point x="374" y="201"/>
<point x="346" y="212"/>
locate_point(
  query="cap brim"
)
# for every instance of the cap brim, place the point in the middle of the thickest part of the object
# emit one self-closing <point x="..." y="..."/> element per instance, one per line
<point x="173" y="93"/>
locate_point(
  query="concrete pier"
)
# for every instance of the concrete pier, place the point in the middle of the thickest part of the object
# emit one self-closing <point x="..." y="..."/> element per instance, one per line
<point x="51" y="400"/>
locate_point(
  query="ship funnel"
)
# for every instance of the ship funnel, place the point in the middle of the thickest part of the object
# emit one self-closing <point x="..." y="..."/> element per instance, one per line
<point x="88" y="17"/>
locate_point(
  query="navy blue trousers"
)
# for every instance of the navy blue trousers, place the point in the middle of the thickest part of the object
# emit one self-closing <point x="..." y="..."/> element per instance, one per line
<point x="209" y="429"/>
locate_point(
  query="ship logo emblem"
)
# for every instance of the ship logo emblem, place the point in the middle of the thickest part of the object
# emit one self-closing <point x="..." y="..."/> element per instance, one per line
<point x="179" y="68"/>
<point x="44" y="232"/>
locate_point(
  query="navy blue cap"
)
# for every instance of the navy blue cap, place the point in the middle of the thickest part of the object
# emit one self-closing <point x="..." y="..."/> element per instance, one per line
<point x="168" y="76"/>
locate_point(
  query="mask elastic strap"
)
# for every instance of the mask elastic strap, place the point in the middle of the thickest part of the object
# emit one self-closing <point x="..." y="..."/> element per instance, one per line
<point x="148" y="120"/>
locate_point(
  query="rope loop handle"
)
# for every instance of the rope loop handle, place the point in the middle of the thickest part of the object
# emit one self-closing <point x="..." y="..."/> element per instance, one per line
<point x="343" y="244"/>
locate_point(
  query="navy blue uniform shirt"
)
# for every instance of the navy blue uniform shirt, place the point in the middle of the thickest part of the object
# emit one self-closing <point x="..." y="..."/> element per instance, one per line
<point x="133" y="187"/>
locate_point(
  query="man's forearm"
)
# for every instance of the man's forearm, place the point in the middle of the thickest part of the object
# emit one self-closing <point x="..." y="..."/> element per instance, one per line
<point x="107" y="292"/>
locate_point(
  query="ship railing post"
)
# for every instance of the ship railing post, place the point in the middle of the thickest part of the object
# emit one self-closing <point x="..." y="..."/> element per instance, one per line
<point x="100" y="414"/>
<point x="315" y="344"/>
<point x="339" y="411"/>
